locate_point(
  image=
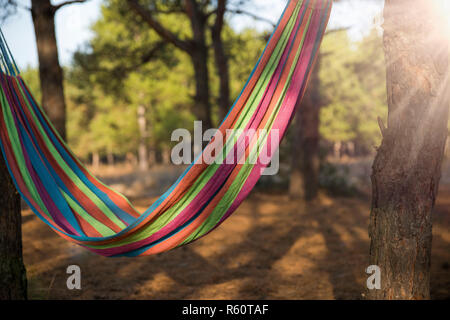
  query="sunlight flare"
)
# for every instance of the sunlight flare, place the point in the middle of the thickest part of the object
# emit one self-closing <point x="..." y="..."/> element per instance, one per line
<point x="442" y="8"/>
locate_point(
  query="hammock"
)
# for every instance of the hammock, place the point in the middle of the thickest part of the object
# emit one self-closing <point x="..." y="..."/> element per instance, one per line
<point x="80" y="208"/>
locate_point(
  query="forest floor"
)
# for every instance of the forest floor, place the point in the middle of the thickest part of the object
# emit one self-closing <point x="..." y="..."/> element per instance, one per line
<point x="271" y="248"/>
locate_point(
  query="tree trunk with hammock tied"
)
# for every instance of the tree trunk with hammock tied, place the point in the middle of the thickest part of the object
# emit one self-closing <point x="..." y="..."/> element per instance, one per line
<point x="13" y="280"/>
<point x="407" y="168"/>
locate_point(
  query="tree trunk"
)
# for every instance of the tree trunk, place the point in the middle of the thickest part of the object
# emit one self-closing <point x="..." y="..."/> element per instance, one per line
<point x="95" y="160"/>
<point x="337" y="148"/>
<point x="158" y="155"/>
<point x="407" y="168"/>
<point x="13" y="280"/>
<point x="202" y="108"/>
<point x="166" y="153"/>
<point x="110" y="158"/>
<point x="221" y="61"/>
<point x="304" y="182"/>
<point x="50" y="72"/>
<point x="199" y="55"/>
<point x="143" y="132"/>
<point x="131" y="159"/>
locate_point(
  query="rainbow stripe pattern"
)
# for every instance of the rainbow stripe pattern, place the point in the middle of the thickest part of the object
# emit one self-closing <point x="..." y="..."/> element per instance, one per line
<point x="80" y="208"/>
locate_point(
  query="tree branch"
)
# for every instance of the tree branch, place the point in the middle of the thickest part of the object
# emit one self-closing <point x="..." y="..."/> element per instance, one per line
<point x="383" y="129"/>
<point x="148" y="56"/>
<point x="9" y="8"/>
<point x="167" y="35"/>
<point x="59" y="6"/>
<point x="335" y="30"/>
<point x="252" y="15"/>
<point x="220" y="14"/>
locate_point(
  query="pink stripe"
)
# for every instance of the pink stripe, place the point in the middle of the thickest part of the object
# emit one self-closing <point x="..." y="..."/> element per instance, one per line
<point x="284" y="117"/>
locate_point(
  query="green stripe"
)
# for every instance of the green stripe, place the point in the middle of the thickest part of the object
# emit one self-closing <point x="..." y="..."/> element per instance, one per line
<point x="18" y="154"/>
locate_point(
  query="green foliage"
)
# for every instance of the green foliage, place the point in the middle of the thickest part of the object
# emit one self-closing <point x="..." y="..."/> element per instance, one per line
<point x="126" y="65"/>
<point x="31" y="78"/>
<point x="102" y="125"/>
<point x="165" y="95"/>
<point x="353" y="88"/>
<point x="244" y="50"/>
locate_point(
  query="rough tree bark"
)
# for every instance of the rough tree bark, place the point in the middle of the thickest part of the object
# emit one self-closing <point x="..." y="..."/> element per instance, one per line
<point x="407" y="168"/>
<point x="13" y="280"/>
<point x="304" y="176"/>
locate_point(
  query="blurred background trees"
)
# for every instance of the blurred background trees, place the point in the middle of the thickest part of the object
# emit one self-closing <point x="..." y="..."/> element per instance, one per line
<point x="129" y="87"/>
<point x="153" y="66"/>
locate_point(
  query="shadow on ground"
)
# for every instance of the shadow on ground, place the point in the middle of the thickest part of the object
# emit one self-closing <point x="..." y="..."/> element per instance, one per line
<point x="271" y="248"/>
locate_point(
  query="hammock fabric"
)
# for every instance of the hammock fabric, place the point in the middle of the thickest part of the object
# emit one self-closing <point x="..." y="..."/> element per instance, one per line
<point x="62" y="192"/>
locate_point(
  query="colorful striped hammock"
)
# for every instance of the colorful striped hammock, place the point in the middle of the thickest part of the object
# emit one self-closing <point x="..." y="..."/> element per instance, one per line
<point x="66" y="196"/>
